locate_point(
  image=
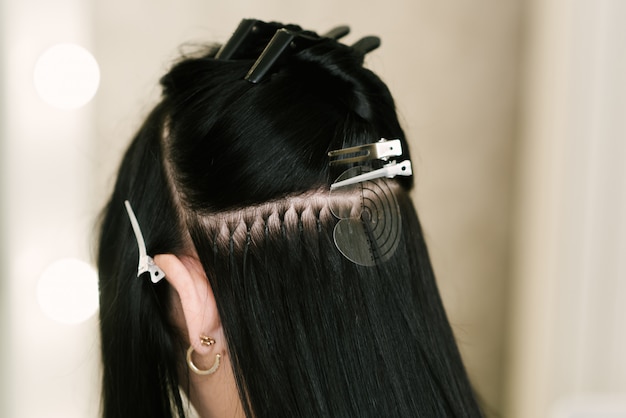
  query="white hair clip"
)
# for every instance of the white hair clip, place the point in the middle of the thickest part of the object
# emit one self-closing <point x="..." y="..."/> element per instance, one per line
<point x="390" y="170"/>
<point x="382" y="150"/>
<point x="146" y="263"/>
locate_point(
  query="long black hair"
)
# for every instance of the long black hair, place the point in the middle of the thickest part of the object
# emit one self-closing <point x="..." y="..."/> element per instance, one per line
<point x="240" y="172"/>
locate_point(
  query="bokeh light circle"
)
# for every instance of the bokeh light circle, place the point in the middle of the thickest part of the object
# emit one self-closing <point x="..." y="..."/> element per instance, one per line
<point x="66" y="76"/>
<point x="67" y="291"/>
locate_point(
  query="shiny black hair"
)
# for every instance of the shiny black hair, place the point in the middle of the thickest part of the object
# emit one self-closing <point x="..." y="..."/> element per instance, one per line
<point x="240" y="172"/>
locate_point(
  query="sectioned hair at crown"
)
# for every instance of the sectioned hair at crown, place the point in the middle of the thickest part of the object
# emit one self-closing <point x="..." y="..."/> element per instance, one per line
<point x="280" y="296"/>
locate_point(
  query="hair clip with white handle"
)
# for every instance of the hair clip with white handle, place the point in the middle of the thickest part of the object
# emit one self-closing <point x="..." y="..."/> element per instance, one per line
<point x="146" y="263"/>
<point x="390" y="170"/>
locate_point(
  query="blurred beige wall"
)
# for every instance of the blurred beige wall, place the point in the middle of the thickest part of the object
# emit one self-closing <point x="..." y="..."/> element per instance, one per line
<point x="4" y="297"/>
<point x="568" y="304"/>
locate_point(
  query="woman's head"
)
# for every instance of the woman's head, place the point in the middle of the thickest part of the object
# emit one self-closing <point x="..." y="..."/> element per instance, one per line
<point x="235" y="176"/>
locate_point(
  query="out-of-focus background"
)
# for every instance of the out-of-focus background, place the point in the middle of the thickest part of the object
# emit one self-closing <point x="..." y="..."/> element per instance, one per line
<point x="516" y="111"/>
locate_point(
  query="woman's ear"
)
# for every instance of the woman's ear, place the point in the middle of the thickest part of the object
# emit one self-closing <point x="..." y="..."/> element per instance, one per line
<point x="186" y="275"/>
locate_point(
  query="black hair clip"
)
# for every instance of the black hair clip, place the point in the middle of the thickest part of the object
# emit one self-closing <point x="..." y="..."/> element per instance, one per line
<point x="366" y="45"/>
<point x="248" y="33"/>
<point x="337" y="33"/>
<point x="251" y="33"/>
<point x="229" y="48"/>
<point x="282" y="40"/>
<point x="295" y="41"/>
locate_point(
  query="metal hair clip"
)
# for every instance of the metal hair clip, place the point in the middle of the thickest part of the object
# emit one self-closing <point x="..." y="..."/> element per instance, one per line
<point x="146" y="263"/>
<point x="390" y="170"/>
<point x="381" y="150"/>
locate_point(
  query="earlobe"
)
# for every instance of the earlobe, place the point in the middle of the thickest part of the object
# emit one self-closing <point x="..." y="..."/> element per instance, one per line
<point x="186" y="276"/>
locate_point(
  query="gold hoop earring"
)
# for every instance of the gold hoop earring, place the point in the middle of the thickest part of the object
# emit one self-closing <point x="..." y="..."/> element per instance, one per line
<point x="206" y="341"/>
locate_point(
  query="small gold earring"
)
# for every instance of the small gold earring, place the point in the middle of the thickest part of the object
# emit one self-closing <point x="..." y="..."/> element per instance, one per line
<point x="205" y="341"/>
